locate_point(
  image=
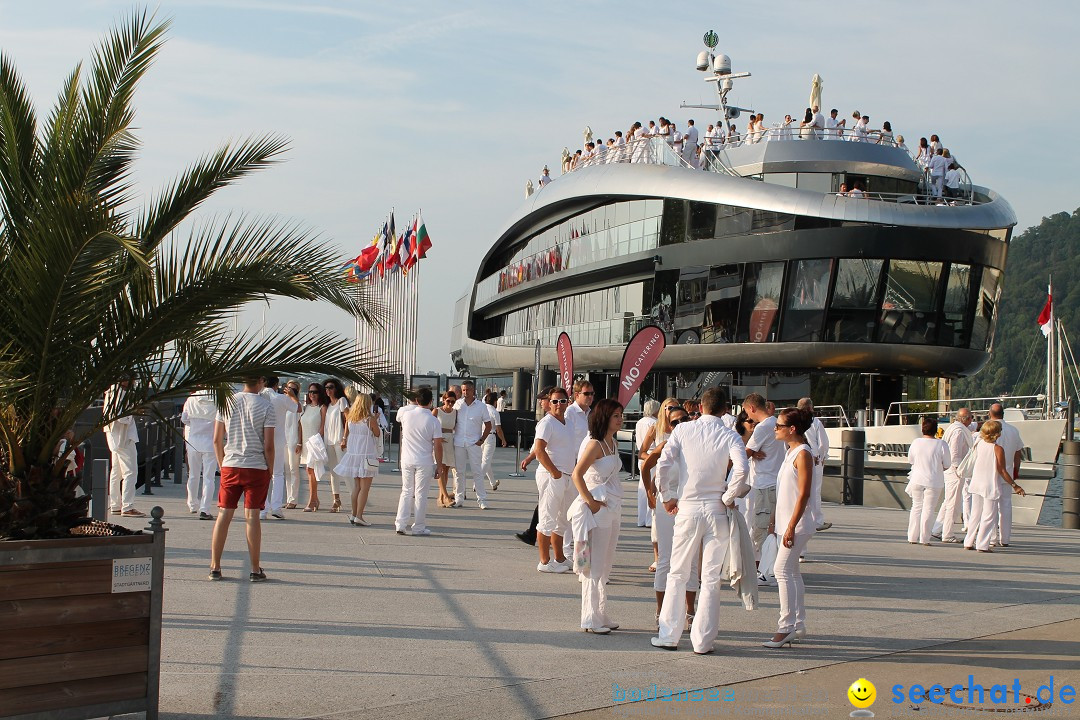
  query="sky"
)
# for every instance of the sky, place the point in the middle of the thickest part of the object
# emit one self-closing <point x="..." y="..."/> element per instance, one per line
<point x="452" y="107"/>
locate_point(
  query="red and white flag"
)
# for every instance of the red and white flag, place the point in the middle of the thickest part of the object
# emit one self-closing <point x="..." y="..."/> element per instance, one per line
<point x="1047" y="314"/>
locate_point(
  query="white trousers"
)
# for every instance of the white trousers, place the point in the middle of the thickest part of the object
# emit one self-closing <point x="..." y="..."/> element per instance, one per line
<point x="644" y="513"/>
<point x="415" y="481"/>
<point x="965" y="508"/>
<point x="555" y="498"/>
<point x="921" y="518"/>
<point x="292" y="474"/>
<point x="981" y="523"/>
<point x="602" y="542"/>
<point x="338" y="484"/>
<point x="274" y="499"/>
<point x="123" y="474"/>
<point x="473" y="455"/>
<point x="1005" y="513"/>
<point x="760" y="505"/>
<point x="699" y="527"/>
<point x="486" y="460"/>
<point x="201" y="469"/>
<point x="950" y="505"/>
<point x="664" y="527"/>
<point x="789" y="579"/>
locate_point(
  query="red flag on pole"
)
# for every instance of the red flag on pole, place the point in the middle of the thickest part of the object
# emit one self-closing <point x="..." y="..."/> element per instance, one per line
<point x="565" y="352"/>
<point x="1047" y="314"/>
<point x="640" y="355"/>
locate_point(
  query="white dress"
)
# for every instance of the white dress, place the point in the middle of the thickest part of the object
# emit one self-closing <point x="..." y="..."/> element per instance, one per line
<point x="309" y="425"/>
<point x="361" y="458"/>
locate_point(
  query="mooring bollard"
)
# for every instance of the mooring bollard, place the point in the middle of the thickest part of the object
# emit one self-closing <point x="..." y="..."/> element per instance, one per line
<point x="1070" y="503"/>
<point x="853" y="465"/>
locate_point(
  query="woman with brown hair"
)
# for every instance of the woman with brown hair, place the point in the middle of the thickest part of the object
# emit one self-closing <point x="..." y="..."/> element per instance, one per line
<point x="312" y="423"/>
<point x="447" y="415"/>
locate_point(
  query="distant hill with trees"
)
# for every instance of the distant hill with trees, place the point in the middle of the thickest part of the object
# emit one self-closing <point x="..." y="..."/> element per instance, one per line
<point x="1018" y="363"/>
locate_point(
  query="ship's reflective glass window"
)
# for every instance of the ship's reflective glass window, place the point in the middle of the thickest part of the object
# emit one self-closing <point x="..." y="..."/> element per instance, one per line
<point x="732" y="220"/>
<point x="909" y="310"/>
<point x="816" y="182"/>
<point x="804" y="309"/>
<point x="690" y="304"/>
<point x="654" y="208"/>
<point x="758" y="314"/>
<point x="673" y="227"/>
<point x="702" y="220"/>
<point x="665" y="286"/>
<point x="954" y="330"/>
<point x="852" y="315"/>
<point x="785" y="179"/>
<point x="768" y="221"/>
<point x="722" y="304"/>
<point x="637" y="210"/>
<point x="986" y="306"/>
<point x="622" y="213"/>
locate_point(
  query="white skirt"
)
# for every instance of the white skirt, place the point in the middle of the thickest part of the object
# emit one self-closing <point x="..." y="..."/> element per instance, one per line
<point x="356" y="465"/>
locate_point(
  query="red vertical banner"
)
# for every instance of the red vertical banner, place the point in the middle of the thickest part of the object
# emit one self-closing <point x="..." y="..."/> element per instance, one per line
<point x="565" y="350"/>
<point x="640" y="355"/>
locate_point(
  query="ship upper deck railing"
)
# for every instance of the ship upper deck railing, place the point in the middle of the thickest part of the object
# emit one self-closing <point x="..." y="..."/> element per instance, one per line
<point x="655" y="150"/>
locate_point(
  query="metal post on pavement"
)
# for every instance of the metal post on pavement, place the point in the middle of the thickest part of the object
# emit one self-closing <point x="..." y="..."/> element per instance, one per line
<point x="517" y="453"/>
<point x="1070" y="503"/>
<point x="179" y="468"/>
<point x="633" y="454"/>
<point x="853" y="465"/>
<point x="99" y="490"/>
<point x="148" y="462"/>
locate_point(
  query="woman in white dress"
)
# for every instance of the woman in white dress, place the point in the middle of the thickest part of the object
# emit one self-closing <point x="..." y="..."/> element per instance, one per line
<point x="361" y="459"/>
<point x="599" y="503"/>
<point x="885" y="137"/>
<point x="929" y="458"/>
<point x="292" y="447"/>
<point x="447" y="415"/>
<point x="795" y="518"/>
<point x="663" y="527"/>
<point x="311" y="424"/>
<point x="333" y="434"/>
<point x="985" y="489"/>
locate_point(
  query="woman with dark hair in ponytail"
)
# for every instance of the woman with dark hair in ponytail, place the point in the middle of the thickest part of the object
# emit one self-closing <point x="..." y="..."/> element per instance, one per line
<point x="795" y="518"/>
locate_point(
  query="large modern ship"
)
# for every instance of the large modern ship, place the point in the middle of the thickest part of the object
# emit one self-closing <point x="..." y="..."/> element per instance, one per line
<point x="752" y="257"/>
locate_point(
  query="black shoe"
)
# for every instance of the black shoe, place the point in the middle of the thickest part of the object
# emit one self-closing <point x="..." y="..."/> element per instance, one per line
<point x="205" y="516"/>
<point x="526" y="538"/>
<point x="257" y="576"/>
<point x="215" y="574"/>
<point x="400" y="532"/>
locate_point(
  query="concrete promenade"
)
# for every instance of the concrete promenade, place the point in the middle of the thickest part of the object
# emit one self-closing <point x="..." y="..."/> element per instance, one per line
<point x="364" y="623"/>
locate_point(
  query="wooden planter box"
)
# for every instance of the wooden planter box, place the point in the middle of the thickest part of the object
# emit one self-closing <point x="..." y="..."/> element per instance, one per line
<point x="80" y="626"/>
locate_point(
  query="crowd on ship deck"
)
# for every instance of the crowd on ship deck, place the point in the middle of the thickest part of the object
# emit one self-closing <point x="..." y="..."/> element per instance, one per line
<point x="701" y="151"/>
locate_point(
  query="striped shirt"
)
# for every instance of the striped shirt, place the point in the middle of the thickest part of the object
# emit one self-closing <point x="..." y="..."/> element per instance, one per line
<point x="249" y="414"/>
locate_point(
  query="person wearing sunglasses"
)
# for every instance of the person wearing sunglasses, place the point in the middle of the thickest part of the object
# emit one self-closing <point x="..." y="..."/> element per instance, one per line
<point x="766" y="454"/>
<point x="796" y="518"/>
<point x="529" y="536"/>
<point x="312" y="421"/>
<point x="557" y="455"/>
<point x="472" y="429"/>
<point x="333" y="434"/>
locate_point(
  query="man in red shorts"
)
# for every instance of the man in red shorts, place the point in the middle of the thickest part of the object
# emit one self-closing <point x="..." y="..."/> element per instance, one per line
<point x="244" y="445"/>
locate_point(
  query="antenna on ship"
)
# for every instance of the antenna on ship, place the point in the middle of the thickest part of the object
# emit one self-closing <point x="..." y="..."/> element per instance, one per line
<point x="720" y="67"/>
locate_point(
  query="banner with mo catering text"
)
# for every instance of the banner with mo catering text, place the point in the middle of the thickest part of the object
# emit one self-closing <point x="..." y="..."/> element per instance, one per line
<point x="640" y="355"/>
<point x="565" y="350"/>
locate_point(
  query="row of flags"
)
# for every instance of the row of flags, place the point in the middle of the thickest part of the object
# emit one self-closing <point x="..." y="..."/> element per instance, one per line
<point x="390" y="252"/>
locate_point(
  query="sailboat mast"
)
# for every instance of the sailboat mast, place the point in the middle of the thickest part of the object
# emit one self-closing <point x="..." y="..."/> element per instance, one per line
<point x="1050" y="352"/>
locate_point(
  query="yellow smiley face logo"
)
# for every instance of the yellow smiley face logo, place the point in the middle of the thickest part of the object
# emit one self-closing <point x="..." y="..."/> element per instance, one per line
<point x="862" y="693"/>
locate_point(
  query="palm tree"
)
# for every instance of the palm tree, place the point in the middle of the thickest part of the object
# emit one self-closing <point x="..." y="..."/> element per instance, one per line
<point x="98" y="285"/>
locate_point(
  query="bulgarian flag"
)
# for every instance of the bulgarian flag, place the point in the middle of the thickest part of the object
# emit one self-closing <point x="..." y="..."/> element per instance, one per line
<point x="1047" y="314"/>
<point x="423" y="241"/>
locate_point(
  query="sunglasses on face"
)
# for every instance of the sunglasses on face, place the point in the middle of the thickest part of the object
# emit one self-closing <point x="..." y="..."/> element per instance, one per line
<point x="780" y="425"/>
<point x="560" y="401"/>
<point x="676" y="421"/>
<point x="695" y="414"/>
<point x="588" y="394"/>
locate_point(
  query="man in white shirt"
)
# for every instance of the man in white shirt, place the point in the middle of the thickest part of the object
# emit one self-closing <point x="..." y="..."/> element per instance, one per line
<point x="727" y="418"/>
<point x="473" y="427"/>
<point x="834" y="127"/>
<point x="952" y="181"/>
<point x="937" y="173"/>
<point x="958" y="437"/>
<point x="545" y="177"/>
<point x="500" y="404"/>
<point x="421" y="460"/>
<point x="690" y="142"/>
<point x="817" y="122"/>
<point x="245" y="458"/>
<point x="198" y="417"/>
<point x="766" y="455"/>
<point x="706" y="449"/>
<point x="1011" y="442"/>
<point x="577" y="415"/>
<point x="556" y="450"/>
<point x="641" y="428"/>
<point x="122" y="437"/>
<point x="818" y="440"/>
<point x="488" y="456"/>
<point x="283" y="405"/>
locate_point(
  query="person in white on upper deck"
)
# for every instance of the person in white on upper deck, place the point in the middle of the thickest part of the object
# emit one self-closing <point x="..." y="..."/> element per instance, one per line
<point x="928" y="457"/>
<point x="817" y="122"/>
<point x="885" y="137"/>
<point x="937" y="173"/>
<point x="701" y="506"/>
<point x="833" y="127"/>
<point x="545" y="177"/>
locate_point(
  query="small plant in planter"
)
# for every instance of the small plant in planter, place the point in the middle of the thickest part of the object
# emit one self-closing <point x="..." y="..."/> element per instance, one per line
<point x="99" y="284"/>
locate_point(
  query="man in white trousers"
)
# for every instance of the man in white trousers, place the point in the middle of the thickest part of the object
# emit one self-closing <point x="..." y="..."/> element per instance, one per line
<point x="701" y="505"/>
<point x="1013" y="445"/>
<point x="421" y="461"/>
<point x="819" y="448"/>
<point x="487" y="458"/>
<point x="198" y="417"/>
<point x="958" y="437"/>
<point x="766" y="455"/>
<point x="283" y="404"/>
<point x="122" y="437"/>
<point x="472" y="429"/>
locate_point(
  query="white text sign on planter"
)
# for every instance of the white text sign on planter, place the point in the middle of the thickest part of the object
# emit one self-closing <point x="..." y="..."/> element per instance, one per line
<point x="131" y="575"/>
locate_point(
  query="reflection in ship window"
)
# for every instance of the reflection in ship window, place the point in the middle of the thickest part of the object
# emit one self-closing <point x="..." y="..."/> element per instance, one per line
<point x="673" y="227"/>
<point x="761" y="288"/>
<point x="732" y="221"/>
<point x="954" y="331"/>
<point x="663" y="299"/>
<point x="909" y="310"/>
<point x="654" y="208"/>
<point x="637" y="210"/>
<point x="851" y="316"/>
<point x="769" y="221"/>
<point x="722" y="304"/>
<point x="816" y="182"/>
<point x="702" y="220"/>
<point x="986" y="305"/>
<point x="804" y="309"/>
<point x="689" y="313"/>
<point x="622" y="213"/>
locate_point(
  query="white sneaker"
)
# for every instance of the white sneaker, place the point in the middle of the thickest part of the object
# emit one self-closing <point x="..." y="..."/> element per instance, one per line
<point x="482" y="505"/>
<point x="548" y="567"/>
<point x="425" y="531"/>
<point x="562" y="567"/>
<point x="766" y="581"/>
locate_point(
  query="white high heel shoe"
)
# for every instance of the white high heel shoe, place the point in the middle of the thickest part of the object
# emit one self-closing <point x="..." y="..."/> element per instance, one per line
<point x="800" y="633"/>
<point x="786" y="640"/>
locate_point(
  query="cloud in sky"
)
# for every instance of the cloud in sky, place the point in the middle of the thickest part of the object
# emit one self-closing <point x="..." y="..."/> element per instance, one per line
<point x="452" y="107"/>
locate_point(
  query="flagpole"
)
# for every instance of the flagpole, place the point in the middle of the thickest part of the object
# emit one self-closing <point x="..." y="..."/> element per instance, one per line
<point x="1050" y="351"/>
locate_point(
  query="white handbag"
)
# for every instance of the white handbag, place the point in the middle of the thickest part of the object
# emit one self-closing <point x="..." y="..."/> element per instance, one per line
<point x="768" y="555"/>
<point x="966" y="468"/>
<point x="316" y="449"/>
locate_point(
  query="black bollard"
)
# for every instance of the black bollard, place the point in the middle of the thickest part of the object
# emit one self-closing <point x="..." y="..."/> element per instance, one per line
<point x="1070" y="504"/>
<point x="853" y="465"/>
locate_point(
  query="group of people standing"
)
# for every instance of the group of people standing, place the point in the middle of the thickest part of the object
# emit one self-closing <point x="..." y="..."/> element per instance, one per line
<point x="974" y="471"/>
